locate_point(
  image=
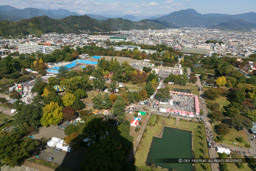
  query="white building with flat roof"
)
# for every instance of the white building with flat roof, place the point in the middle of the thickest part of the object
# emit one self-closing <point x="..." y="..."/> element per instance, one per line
<point x="33" y="48"/>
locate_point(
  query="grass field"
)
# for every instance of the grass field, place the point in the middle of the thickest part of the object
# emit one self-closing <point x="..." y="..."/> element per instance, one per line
<point x="198" y="140"/>
<point x="5" y="121"/>
<point x="230" y="138"/>
<point x="221" y="100"/>
<point x="5" y="81"/>
<point x="193" y="88"/>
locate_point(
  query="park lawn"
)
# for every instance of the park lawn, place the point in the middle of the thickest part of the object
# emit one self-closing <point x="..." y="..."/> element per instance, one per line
<point x="5" y="121"/>
<point x="132" y="86"/>
<point x="198" y="140"/>
<point x="230" y="138"/>
<point x="220" y="100"/>
<point x="194" y="89"/>
<point x="91" y="95"/>
<point x="5" y="81"/>
<point x="233" y="167"/>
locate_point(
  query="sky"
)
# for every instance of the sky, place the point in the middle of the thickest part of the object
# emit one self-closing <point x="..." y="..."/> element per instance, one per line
<point x="138" y="7"/>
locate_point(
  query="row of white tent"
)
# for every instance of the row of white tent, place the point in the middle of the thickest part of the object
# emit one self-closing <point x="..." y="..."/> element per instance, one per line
<point x="223" y="150"/>
<point x="58" y="143"/>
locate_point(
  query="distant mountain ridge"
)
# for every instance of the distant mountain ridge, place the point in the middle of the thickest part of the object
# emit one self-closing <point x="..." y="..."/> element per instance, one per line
<point x="14" y="14"/>
<point x="72" y="24"/>
<point x="191" y="18"/>
<point x="182" y="18"/>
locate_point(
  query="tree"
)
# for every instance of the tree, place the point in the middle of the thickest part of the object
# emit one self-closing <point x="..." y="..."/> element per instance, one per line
<point x="46" y="92"/>
<point x="150" y="89"/>
<point x="52" y="97"/>
<point x="52" y="114"/>
<point x="99" y="81"/>
<point x="221" y="81"/>
<point x="239" y="122"/>
<point x="233" y="109"/>
<point x="68" y="113"/>
<point x="119" y="107"/>
<point x="147" y="69"/>
<point x="39" y="86"/>
<point x="113" y="87"/>
<point x="222" y="129"/>
<point x="14" y="148"/>
<point x="79" y="93"/>
<point x="70" y="129"/>
<point x="97" y="102"/>
<point x="143" y="94"/>
<point x="68" y="99"/>
<point x="28" y="115"/>
<point x="78" y="104"/>
<point x="163" y="94"/>
<point x="107" y="104"/>
<point x="236" y="95"/>
<point x="113" y="97"/>
<point x="15" y="95"/>
<point x="211" y="94"/>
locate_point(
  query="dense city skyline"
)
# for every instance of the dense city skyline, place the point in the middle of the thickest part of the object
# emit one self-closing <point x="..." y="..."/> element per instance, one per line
<point x="138" y="8"/>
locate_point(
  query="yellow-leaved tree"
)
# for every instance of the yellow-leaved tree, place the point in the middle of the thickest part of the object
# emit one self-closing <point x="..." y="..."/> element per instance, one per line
<point x="221" y="81"/>
<point x="46" y="92"/>
<point x="68" y="99"/>
<point x="52" y="114"/>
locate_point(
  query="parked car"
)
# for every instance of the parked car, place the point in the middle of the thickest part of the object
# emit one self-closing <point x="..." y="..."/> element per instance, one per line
<point x="58" y="149"/>
<point x="50" y="159"/>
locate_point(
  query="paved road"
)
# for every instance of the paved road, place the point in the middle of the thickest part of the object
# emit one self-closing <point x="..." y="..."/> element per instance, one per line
<point x="5" y="96"/>
<point x="5" y="110"/>
<point x="208" y="127"/>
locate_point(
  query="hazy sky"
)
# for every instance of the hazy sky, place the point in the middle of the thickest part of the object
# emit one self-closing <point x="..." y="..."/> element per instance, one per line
<point x="138" y="7"/>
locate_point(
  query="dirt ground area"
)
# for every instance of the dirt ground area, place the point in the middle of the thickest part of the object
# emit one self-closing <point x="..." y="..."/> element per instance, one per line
<point x="70" y="160"/>
<point x="121" y="59"/>
<point x="49" y="132"/>
<point x="133" y="133"/>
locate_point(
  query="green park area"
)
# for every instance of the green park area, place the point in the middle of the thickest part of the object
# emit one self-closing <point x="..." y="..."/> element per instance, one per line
<point x="199" y="144"/>
<point x="5" y="121"/>
<point x="193" y="89"/>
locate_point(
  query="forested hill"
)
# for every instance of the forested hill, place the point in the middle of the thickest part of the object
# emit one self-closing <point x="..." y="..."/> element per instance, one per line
<point x="72" y="24"/>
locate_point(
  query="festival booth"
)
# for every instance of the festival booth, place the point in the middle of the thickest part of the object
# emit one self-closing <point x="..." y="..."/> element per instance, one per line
<point x="135" y="121"/>
<point x="59" y="88"/>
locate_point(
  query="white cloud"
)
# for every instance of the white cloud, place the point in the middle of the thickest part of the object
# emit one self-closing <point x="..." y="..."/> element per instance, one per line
<point x="169" y="1"/>
<point x="153" y="4"/>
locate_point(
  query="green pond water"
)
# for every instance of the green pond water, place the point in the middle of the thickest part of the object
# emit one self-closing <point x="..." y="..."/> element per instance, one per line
<point x="175" y="143"/>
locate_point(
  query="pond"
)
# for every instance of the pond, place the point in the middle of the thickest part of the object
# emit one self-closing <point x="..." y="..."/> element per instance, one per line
<point x="174" y="144"/>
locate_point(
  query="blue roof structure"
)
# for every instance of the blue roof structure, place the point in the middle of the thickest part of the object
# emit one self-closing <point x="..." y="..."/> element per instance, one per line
<point x="56" y="68"/>
<point x="96" y="57"/>
<point x="71" y="65"/>
<point x="86" y="62"/>
<point x="52" y="71"/>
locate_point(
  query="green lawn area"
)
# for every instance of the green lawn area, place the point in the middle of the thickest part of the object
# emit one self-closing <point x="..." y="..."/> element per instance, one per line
<point x="5" y="81"/>
<point x="230" y="138"/>
<point x="5" y="121"/>
<point x="193" y="88"/>
<point x="198" y="139"/>
<point x="132" y="86"/>
<point x="221" y="100"/>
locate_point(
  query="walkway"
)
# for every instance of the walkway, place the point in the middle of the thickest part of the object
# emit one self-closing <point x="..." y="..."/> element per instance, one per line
<point x="208" y="127"/>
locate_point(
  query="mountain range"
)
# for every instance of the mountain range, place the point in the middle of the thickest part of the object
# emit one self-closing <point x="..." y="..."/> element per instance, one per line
<point x="38" y="21"/>
<point x="72" y="24"/>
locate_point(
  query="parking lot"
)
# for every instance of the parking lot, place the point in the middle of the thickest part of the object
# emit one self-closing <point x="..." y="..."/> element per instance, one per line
<point x="70" y="160"/>
<point x="49" y="132"/>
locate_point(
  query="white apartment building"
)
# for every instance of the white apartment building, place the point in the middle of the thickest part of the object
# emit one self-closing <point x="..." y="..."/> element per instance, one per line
<point x="33" y="48"/>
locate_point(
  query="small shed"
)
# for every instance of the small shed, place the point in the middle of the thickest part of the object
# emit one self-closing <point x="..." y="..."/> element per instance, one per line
<point x="142" y="113"/>
<point x="253" y="129"/>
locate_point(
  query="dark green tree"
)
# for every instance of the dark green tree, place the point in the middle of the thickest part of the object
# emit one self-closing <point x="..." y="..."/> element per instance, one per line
<point x="150" y="89"/>
<point x="119" y="107"/>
